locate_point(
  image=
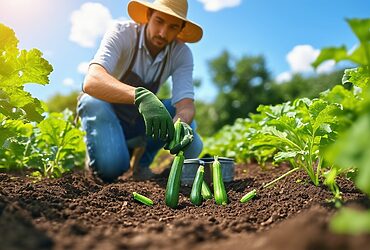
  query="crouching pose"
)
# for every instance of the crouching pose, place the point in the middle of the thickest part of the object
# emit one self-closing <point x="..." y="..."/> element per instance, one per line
<point x="119" y="109"/>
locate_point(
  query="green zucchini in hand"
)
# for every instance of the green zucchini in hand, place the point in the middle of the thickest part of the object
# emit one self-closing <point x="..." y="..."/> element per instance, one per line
<point x="219" y="190"/>
<point x="174" y="181"/>
<point x="196" y="190"/>
<point x="177" y="136"/>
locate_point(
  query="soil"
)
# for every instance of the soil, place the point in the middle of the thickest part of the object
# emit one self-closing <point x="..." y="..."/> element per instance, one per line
<point x="79" y="212"/>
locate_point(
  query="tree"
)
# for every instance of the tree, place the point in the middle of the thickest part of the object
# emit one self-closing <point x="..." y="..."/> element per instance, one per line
<point x="309" y="87"/>
<point x="245" y="83"/>
<point x="241" y="84"/>
<point x="59" y="102"/>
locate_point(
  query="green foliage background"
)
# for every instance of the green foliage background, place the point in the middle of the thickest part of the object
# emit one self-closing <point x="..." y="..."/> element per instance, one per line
<point x="47" y="144"/>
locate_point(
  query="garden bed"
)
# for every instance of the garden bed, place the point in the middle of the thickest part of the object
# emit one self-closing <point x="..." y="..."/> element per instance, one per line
<point x="77" y="212"/>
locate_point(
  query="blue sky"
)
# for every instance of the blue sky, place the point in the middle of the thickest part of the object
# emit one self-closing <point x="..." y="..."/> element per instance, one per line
<point x="288" y="33"/>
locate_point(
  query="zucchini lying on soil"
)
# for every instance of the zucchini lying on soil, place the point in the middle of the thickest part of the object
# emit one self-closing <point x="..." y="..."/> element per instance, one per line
<point x="142" y="199"/>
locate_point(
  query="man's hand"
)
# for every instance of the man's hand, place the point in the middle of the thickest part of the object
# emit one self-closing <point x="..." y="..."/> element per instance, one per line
<point x="158" y="121"/>
<point x="185" y="138"/>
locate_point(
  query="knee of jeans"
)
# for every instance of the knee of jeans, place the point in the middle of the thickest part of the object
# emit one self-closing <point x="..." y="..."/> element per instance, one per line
<point x="89" y="105"/>
<point x="195" y="148"/>
<point x="110" y="168"/>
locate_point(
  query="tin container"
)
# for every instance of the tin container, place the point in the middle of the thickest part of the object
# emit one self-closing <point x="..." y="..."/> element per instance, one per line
<point x="190" y="168"/>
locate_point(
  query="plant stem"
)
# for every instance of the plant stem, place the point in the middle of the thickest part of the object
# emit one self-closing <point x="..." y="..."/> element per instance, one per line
<point x="310" y="165"/>
<point x="311" y="172"/>
<point x="318" y="170"/>
<point x="280" y="177"/>
<point x="61" y="146"/>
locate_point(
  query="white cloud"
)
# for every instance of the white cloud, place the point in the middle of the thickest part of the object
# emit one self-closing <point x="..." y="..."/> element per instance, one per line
<point x="326" y="67"/>
<point x="89" y="23"/>
<point x="301" y="57"/>
<point x="69" y="82"/>
<point x="284" y="77"/>
<point x="216" y="5"/>
<point x="83" y="67"/>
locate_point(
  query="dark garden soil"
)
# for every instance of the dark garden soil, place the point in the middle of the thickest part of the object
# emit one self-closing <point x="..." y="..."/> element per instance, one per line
<point x="77" y="212"/>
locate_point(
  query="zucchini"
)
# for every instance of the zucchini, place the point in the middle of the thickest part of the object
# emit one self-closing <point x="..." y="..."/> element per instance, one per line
<point x="248" y="196"/>
<point x="174" y="181"/>
<point x="206" y="191"/>
<point x="218" y="183"/>
<point x="142" y="199"/>
<point x="177" y="137"/>
<point x="178" y="128"/>
<point x="196" y="190"/>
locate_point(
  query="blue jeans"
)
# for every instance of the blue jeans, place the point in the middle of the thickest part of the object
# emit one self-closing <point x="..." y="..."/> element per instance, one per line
<point x="106" y="142"/>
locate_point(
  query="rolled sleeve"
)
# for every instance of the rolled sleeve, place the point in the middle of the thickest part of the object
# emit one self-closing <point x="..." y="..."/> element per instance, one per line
<point x="116" y="40"/>
<point x="182" y="77"/>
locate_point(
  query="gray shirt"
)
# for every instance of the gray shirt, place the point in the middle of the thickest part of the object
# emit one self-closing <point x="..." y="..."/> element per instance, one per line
<point x="117" y="50"/>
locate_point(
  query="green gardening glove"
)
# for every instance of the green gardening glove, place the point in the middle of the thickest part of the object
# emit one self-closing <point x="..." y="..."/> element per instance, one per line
<point x="158" y="122"/>
<point x="183" y="138"/>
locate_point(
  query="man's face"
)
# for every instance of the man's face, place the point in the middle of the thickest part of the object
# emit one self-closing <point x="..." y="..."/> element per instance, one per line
<point x="162" y="29"/>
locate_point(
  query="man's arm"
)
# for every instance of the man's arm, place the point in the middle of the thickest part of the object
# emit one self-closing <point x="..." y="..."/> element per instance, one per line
<point x="100" y="84"/>
<point x="185" y="110"/>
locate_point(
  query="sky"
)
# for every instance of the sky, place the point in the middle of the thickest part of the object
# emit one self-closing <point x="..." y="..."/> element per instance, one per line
<point x="288" y="33"/>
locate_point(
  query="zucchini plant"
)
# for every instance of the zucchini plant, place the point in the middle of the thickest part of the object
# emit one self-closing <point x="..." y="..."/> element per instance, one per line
<point x="298" y="131"/>
<point x="47" y="143"/>
<point x="351" y="152"/>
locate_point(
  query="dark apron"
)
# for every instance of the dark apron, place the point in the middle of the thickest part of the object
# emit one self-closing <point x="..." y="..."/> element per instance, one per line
<point x="131" y="120"/>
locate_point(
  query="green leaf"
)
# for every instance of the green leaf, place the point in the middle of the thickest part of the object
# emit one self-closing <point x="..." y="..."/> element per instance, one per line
<point x="361" y="27"/>
<point x="59" y="138"/>
<point x="26" y="67"/>
<point x="7" y="38"/>
<point x="350" y="221"/>
<point x="342" y="96"/>
<point x="14" y="128"/>
<point x="323" y="114"/>
<point x="16" y="69"/>
<point x="353" y="150"/>
<point x="358" y="56"/>
<point x="332" y="53"/>
<point x="16" y="103"/>
<point x="284" y="156"/>
<point x="51" y="129"/>
<point x="361" y="55"/>
<point x="360" y="77"/>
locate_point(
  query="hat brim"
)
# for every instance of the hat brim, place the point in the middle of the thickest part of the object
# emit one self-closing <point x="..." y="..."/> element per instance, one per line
<point x="137" y="10"/>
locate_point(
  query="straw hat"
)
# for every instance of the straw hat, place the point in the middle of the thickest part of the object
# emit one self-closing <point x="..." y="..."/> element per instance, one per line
<point x="191" y="33"/>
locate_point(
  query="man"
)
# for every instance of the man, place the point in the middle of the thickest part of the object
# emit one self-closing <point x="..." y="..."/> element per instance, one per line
<point x="119" y="110"/>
